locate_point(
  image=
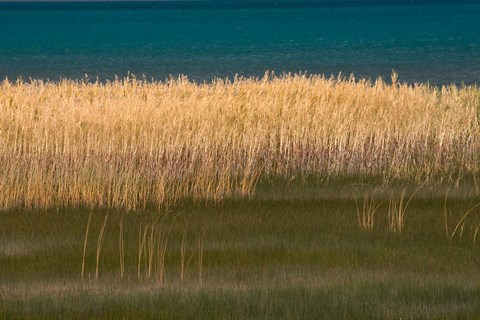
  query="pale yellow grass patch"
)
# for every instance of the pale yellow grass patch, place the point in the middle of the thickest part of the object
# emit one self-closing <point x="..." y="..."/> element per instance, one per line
<point x="129" y="144"/>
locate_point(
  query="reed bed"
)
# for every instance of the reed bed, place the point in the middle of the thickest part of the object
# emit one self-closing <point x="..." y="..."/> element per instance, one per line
<point x="132" y="143"/>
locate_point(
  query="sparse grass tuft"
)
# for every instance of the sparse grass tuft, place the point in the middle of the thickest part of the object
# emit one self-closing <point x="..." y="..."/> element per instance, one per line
<point x="366" y="214"/>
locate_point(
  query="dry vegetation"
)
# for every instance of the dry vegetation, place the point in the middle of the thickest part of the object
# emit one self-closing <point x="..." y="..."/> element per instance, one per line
<point x="131" y="144"/>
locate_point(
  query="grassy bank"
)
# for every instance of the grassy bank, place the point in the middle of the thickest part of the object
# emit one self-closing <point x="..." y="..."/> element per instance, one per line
<point x="265" y="259"/>
<point x="133" y="144"/>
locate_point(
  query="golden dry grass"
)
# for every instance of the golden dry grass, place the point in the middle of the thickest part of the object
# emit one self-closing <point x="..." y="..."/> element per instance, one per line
<point x="130" y="143"/>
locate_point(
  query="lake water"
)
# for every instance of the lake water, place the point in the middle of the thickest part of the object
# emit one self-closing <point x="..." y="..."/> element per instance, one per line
<point x="432" y="41"/>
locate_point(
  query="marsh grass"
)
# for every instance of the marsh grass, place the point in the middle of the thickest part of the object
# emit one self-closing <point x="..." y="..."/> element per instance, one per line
<point x="261" y="259"/>
<point x="459" y="228"/>
<point x="82" y="273"/>
<point x="153" y="238"/>
<point x="132" y="144"/>
<point x="397" y="208"/>
<point x="366" y="213"/>
<point x="101" y="237"/>
<point x="121" y="248"/>
<point x="200" y="251"/>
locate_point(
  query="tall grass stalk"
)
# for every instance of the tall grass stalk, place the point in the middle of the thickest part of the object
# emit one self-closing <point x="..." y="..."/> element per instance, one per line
<point x="476" y="233"/>
<point x="182" y="256"/>
<point x="85" y="244"/>
<point x="121" y="248"/>
<point x="200" y="248"/>
<point x="461" y="222"/>
<point x="101" y="237"/>
<point x="151" y="244"/>
<point x="142" y="238"/>
<point x="445" y="213"/>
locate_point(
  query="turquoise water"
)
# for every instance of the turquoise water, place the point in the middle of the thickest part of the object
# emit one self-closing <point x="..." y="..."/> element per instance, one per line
<point x="426" y="42"/>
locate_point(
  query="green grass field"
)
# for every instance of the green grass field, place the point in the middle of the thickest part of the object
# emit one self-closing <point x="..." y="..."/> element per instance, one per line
<point x="287" y="253"/>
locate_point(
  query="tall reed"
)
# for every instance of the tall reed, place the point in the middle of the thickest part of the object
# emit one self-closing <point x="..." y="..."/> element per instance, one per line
<point x="132" y="144"/>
